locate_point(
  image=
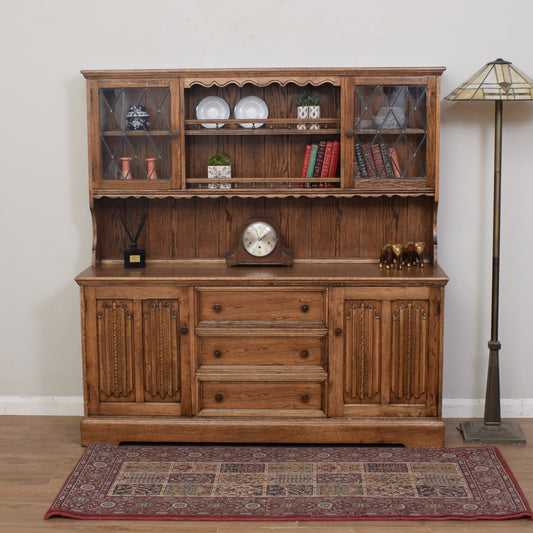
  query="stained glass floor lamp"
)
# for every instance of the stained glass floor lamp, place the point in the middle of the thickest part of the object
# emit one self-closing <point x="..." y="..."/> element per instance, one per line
<point x="498" y="81"/>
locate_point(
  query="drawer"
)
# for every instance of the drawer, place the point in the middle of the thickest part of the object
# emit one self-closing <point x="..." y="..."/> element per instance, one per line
<point x="268" y="306"/>
<point x="245" y="396"/>
<point x="281" y="348"/>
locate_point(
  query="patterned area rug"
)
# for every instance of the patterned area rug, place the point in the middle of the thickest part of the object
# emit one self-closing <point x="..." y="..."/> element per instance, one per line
<point x="218" y="482"/>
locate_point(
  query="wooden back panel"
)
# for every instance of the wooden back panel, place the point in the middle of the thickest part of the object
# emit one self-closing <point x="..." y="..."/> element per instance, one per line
<point x="320" y="228"/>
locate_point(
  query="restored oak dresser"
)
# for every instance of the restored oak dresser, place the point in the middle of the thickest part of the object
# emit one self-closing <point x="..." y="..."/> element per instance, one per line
<point x="307" y="339"/>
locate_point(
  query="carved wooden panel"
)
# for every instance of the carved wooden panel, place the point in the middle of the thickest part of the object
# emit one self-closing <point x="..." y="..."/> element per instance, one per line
<point x="115" y="350"/>
<point x="409" y="351"/>
<point x="363" y="323"/>
<point x="161" y="350"/>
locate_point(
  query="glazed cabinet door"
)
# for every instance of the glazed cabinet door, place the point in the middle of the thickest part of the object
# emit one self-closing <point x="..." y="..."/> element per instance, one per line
<point x="136" y="351"/>
<point x="133" y="134"/>
<point x="391" y="347"/>
<point x="391" y="133"/>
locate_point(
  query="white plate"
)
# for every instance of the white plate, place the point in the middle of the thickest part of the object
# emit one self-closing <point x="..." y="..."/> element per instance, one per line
<point x="211" y="108"/>
<point x="251" y="107"/>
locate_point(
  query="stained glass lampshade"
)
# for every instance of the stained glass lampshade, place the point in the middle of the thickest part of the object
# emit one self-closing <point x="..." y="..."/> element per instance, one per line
<point x="498" y="80"/>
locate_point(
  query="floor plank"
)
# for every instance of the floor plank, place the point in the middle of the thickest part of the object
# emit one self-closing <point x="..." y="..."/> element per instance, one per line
<point x="37" y="453"/>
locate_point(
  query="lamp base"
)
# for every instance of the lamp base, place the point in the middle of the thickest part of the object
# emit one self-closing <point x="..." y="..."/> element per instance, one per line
<point x="477" y="432"/>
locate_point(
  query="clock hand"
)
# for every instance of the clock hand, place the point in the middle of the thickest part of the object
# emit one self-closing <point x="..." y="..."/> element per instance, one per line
<point x="265" y="233"/>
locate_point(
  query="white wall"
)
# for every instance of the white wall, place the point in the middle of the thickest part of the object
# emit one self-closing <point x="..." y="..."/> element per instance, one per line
<point x="44" y="215"/>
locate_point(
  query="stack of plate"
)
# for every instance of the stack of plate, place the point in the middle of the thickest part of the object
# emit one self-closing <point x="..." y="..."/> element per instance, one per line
<point x="247" y="108"/>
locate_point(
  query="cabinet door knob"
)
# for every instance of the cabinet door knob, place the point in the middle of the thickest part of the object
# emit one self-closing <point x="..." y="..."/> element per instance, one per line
<point x="338" y="332"/>
<point x="217" y="308"/>
<point x="184" y="330"/>
<point x="304" y="354"/>
<point x="218" y="354"/>
<point x="349" y="133"/>
<point x="305" y="308"/>
<point x="219" y="397"/>
<point x="304" y="397"/>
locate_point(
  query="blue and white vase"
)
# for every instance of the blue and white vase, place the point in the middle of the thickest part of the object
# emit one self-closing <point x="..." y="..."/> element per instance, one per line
<point x="137" y="118"/>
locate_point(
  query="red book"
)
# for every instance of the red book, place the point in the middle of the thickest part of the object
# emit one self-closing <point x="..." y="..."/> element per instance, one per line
<point x="327" y="160"/>
<point x="395" y="163"/>
<point x="369" y="161"/>
<point x="379" y="165"/>
<point x="334" y="160"/>
<point x="307" y="156"/>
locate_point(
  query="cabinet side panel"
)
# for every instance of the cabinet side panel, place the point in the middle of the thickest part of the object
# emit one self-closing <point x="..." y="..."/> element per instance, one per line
<point x="434" y="396"/>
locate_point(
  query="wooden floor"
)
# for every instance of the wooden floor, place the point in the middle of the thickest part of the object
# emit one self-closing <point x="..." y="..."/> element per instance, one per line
<point x="38" y="453"/>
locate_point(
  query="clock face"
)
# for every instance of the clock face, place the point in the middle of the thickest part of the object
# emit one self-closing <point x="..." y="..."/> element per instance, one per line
<point x="259" y="239"/>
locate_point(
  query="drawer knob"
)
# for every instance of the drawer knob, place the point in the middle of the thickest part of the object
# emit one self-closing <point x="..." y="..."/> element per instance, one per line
<point x="217" y="308"/>
<point x="304" y="354"/>
<point x="305" y="308"/>
<point x="338" y="332"/>
<point x="304" y="397"/>
<point x="184" y="330"/>
<point x="219" y="397"/>
<point x="218" y="354"/>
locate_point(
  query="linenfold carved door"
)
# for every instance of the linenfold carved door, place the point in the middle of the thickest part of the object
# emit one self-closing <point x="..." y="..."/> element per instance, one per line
<point x="389" y="366"/>
<point x="139" y="354"/>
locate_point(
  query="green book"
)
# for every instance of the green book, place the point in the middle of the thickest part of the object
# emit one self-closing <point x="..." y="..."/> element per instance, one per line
<point x="312" y="160"/>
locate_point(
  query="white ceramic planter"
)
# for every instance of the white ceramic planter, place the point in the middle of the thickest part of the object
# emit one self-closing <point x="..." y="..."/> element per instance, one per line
<point x="314" y="112"/>
<point x="219" y="172"/>
<point x="302" y="112"/>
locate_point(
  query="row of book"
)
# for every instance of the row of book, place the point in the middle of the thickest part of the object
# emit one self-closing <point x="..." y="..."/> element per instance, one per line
<point x="321" y="160"/>
<point x="376" y="161"/>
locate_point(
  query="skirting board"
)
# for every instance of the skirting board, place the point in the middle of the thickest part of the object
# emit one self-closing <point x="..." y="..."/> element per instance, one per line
<point x="41" y="405"/>
<point x="73" y="406"/>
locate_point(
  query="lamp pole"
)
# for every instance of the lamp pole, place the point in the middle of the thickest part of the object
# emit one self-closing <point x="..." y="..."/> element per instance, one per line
<point x="492" y="429"/>
<point x="492" y="414"/>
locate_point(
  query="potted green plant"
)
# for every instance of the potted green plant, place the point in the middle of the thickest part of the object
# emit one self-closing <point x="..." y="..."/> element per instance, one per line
<point x="308" y="106"/>
<point x="219" y="167"/>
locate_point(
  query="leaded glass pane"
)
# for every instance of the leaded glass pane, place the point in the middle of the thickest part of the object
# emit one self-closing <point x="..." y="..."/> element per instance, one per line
<point x="390" y="131"/>
<point x="135" y="130"/>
